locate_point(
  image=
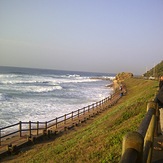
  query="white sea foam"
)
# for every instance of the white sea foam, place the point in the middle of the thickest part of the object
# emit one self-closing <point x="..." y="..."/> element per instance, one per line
<point x="25" y="97"/>
<point x="2" y="97"/>
<point x="39" y="89"/>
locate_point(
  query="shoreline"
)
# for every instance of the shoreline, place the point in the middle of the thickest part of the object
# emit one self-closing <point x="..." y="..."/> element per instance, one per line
<point x="46" y="93"/>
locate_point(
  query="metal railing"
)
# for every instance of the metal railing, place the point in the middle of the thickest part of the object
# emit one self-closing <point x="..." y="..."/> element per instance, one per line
<point x="137" y="146"/>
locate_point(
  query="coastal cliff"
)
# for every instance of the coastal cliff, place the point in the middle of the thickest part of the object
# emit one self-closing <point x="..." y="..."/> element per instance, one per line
<point x="120" y="77"/>
<point x="124" y="75"/>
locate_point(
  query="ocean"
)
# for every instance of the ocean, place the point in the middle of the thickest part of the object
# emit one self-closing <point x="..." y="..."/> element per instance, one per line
<point x="41" y="95"/>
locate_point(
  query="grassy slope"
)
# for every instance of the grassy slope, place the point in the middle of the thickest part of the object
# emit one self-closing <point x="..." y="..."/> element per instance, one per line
<point x="100" y="139"/>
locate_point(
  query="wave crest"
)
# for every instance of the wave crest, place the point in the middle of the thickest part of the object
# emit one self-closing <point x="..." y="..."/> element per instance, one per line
<point x="39" y="89"/>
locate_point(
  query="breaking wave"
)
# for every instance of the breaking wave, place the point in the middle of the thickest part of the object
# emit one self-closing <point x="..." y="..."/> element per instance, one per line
<point x="42" y="96"/>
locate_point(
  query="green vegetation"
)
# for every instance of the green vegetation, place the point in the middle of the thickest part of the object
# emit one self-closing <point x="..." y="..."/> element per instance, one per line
<point x="100" y="139"/>
<point x="155" y="71"/>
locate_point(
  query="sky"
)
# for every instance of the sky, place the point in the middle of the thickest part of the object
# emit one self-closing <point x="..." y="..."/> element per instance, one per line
<point x="109" y="36"/>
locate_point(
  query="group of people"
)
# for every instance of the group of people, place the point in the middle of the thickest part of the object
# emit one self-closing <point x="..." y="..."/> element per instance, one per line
<point x="159" y="101"/>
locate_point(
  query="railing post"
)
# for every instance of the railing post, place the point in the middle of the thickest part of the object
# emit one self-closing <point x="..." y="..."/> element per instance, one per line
<point x="93" y="107"/>
<point x="157" y="120"/>
<point x="72" y="115"/>
<point x="88" y="109"/>
<point x="149" y="138"/>
<point x="20" y="128"/>
<point x="151" y="105"/>
<point x="65" y="119"/>
<point x="78" y="113"/>
<point x="37" y="127"/>
<point x="56" y="122"/>
<point x="154" y="105"/>
<point x="29" y="128"/>
<point x="132" y="140"/>
<point x="46" y="125"/>
<point x="0" y="137"/>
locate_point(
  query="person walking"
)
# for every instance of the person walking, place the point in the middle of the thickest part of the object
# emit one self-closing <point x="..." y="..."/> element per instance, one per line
<point x="161" y="82"/>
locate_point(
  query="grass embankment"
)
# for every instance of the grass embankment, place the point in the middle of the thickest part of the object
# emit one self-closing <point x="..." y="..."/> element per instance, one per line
<point x="99" y="139"/>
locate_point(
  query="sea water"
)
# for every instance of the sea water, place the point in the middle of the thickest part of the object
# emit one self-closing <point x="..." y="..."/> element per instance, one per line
<point x="42" y="95"/>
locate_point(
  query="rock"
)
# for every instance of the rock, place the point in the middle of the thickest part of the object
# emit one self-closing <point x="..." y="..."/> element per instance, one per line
<point x="123" y="75"/>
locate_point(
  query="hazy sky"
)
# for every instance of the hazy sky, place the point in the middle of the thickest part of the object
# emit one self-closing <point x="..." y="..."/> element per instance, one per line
<point x="82" y="35"/>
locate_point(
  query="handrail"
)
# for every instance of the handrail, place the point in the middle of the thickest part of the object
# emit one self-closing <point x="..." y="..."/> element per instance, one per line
<point x="139" y="144"/>
<point x="28" y="127"/>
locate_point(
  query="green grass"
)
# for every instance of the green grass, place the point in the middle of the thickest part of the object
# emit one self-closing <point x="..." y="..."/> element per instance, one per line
<point x="100" y="139"/>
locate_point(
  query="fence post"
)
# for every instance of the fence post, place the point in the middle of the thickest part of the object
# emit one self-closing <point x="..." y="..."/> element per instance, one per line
<point x="46" y="126"/>
<point x="151" y="105"/>
<point x="72" y="115"/>
<point x="154" y="105"/>
<point x="20" y="128"/>
<point x="132" y="140"/>
<point x="37" y="127"/>
<point x="65" y="119"/>
<point x="29" y="128"/>
<point x="149" y="139"/>
<point x="78" y="113"/>
<point x="157" y="120"/>
<point x="0" y="137"/>
<point x="93" y="107"/>
<point x="56" y="122"/>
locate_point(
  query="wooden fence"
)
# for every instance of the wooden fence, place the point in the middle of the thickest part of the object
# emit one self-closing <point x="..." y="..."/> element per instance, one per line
<point x="138" y="146"/>
<point x="30" y="128"/>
